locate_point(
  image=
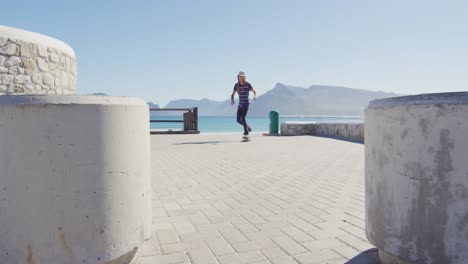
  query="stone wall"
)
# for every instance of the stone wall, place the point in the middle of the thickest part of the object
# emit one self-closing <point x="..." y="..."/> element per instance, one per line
<point x="297" y="128"/>
<point x="32" y="63"/>
<point x="351" y="132"/>
<point x="347" y="131"/>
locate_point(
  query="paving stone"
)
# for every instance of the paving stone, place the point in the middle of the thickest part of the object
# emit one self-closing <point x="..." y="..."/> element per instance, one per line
<point x="357" y="231"/>
<point x="232" y="235"/>
<point x="297" y="234"/>
<point x="172" y="248"/>
<point x="254" y="245"/>
<point x="347" y="252"/>
<point x="324" y="243"/>
<point x="243" y="258"/>
<point x="175" y="258"/>
<point x="355" y="242"/>
<point x="318" y="256"/>
<point x="167" y="236"/>
<point x="277" y="256"/>
<point x="325" y="234"/>
<point x="302" y="224"/>
<point x="264" y="234"/>
<point x="290" y="246"/>
<point x="202" y="256"/>
<point x="232" y="202"/>
<point x="183" y="227"/>
<point x="219" y="246"/>
<point x="150" y="248"/>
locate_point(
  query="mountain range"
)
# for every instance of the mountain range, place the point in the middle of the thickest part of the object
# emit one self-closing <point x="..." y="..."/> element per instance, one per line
<point x="317" y="100"/>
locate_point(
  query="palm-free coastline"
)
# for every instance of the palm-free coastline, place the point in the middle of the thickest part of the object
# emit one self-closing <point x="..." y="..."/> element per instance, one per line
<point x="228" y="124"/>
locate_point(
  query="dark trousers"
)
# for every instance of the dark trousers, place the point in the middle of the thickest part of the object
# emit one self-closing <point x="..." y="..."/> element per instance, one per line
<point x="241" y="113"/>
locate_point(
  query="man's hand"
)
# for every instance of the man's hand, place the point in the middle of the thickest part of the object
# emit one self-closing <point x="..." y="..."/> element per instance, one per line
<point x="255" y="98"/>
<point x="232" y="97"/>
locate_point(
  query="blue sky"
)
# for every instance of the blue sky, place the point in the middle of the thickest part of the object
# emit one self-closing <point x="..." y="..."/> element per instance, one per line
<point x="165" y="50"/>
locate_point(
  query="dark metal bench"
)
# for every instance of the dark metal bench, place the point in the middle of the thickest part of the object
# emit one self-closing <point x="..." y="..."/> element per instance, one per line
<point x="190" y="121"/>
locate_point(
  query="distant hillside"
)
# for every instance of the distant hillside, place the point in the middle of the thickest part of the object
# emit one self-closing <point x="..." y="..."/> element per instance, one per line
<point x="316" y="100"/>
<point x="206" y="104"/>
<point x="291" y="100"/>
<point x="206" y="107"/>
<point x="153" y="105"/>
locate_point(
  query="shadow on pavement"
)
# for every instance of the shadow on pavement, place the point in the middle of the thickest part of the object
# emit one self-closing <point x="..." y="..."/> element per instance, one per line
<point x="370" y="256"/>
<point x="201" y="142"/>
<point x="125" y="259"/>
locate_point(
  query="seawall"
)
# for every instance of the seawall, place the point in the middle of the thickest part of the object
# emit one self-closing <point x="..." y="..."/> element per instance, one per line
<point x="346" y="131"/>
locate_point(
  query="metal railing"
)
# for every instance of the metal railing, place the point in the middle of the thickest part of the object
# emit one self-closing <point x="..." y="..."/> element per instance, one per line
<point x="190" y="121"/>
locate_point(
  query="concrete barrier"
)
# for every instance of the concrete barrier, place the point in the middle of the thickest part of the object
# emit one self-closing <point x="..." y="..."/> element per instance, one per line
<point x="291" y="128"/>
<point x="352" y="131"/>
<point x="346" y="131"/>
<point x="74" y="178"/>
<point x="417" y="178"/>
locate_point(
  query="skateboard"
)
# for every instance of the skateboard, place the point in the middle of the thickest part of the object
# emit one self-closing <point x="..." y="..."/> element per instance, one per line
<point x="245" y="139"/>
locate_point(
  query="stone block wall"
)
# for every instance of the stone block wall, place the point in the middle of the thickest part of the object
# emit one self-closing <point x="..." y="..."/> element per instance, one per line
<point x="347" y="131"/>
<point x="297" y="129"/>
<point x="32" y="63"/>
<point x="352" y="132"/>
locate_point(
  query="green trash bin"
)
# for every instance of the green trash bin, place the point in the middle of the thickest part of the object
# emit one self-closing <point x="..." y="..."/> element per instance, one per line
<point x="274" y="122"/>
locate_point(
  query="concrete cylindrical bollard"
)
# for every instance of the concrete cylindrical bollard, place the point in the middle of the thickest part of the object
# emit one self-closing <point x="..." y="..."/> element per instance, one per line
<point x="74" y="178"/>
<point x="417" y="178"/>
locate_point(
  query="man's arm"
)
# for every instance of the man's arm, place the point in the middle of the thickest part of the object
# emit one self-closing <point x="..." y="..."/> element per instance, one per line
<point x="232" y="97"/>
<point x="255" y="94"/>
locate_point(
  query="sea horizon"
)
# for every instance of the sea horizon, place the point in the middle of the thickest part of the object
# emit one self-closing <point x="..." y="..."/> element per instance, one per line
<point x="228" y="124"/>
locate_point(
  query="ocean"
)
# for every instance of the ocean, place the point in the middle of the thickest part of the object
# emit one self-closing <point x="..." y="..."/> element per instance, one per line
<point x="228" y="124"/>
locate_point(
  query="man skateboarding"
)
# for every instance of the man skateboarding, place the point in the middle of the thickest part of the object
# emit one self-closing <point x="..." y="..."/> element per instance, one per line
<point x="243" y="88"/>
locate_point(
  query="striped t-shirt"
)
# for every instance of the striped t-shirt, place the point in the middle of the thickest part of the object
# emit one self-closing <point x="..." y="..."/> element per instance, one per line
<point x="243" y="91"/>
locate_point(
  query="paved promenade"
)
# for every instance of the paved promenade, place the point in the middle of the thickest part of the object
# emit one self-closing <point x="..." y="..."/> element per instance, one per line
<point x="271" y="200"/>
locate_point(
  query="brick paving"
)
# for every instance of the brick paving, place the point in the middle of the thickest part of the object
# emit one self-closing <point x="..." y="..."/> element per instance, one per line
<point x="271" y="200"/>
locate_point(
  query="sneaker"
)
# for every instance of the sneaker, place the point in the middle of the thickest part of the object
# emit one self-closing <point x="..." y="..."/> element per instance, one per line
<point x="250" y="129"/>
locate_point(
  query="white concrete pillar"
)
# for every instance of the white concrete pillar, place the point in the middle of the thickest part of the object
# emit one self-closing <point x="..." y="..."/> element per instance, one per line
<point x="417" y="178"/>
<point x="74" y="178"/>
